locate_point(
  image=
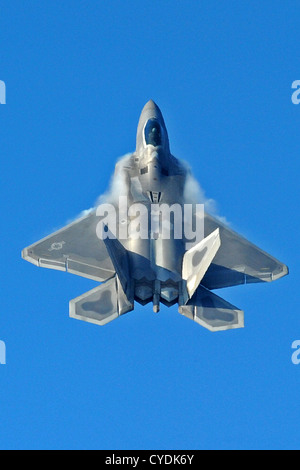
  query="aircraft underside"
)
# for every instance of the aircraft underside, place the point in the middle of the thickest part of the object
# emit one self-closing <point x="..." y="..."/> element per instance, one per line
<point x="176" y="269"/>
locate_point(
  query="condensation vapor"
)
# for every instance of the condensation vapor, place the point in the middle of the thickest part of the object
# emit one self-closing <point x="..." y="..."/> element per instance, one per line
<point x="116" y="189"/>
<point x="118" y="183"/>
<point x="193" y="192"/>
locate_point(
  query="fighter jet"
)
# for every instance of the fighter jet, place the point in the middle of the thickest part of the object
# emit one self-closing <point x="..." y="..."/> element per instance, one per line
<point x="153" y="268"/>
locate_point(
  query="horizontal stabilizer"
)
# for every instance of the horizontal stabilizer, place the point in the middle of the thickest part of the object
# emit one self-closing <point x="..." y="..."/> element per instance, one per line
<point x="197" y="260"/>
<point x="212" y="312"/>
<point x="102" y="304"/>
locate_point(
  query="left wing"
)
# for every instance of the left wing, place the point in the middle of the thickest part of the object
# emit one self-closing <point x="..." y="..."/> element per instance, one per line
<point x="76" y="249"/>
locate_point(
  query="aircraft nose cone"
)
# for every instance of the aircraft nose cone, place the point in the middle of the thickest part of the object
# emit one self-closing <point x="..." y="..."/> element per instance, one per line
<point x="151" y="110"/>
<point x="151" y="105"/>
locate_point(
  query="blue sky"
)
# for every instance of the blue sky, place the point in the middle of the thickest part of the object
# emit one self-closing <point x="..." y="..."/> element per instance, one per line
<point x="78" y="74"/>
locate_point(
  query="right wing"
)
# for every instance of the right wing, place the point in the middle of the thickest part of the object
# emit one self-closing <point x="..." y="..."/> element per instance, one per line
<point x="75" y="248"/>
<point x="238" y="261"/>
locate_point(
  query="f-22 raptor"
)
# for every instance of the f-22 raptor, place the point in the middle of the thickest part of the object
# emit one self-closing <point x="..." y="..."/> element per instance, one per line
<point x="153" y="268"/>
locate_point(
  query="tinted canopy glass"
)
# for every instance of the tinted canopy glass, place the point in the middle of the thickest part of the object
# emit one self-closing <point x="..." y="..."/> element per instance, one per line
<point x="153" y="133"/>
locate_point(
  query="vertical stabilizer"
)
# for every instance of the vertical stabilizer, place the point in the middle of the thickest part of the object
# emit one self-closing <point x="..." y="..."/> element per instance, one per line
<point x="197" y="260"/>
